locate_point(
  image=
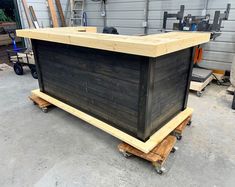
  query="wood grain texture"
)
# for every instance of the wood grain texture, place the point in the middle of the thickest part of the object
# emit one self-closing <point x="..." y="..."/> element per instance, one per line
<point x="157" y="154"/>
<point x="169" y="86"/>
<point x="151" y="45"/>
<point x="105" y="85"/>
<point x="61" y="13"/>
<point x="145" y="147"/>
<point x="53" y="13"/>
<point x="40" y="102"/>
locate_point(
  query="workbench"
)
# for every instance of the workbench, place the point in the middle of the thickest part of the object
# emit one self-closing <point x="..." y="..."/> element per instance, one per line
<point x="136" y="84"/>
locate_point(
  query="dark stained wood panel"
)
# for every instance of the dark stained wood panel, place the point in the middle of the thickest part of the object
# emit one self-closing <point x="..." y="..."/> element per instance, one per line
<point x="170" y="86"/>
<point x="133" y="93"/>
<point x="103" y="84"/>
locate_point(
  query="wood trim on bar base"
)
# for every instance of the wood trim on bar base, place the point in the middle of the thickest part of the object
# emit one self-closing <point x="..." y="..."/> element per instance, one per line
<point x="145" y="147"/>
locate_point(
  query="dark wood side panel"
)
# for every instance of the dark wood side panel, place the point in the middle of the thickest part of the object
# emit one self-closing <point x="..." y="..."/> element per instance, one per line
<point x="101" y="83"/>
<point x="38" y="69"/>
<point x="170" y="87"/>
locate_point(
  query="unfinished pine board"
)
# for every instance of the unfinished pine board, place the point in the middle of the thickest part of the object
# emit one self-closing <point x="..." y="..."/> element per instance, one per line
<point x="71" y="29"/>
<point x="59" y="7"/>
<point x="145" y="147"/>
<point x="53" y="13"/>
<point x="151" y="46"/>
<point x="199" y="86"/>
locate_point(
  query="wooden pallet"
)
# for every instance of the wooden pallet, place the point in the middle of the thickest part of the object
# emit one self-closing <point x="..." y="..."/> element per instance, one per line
<point x="42" y="104"/>
<point x="158" y="155"/>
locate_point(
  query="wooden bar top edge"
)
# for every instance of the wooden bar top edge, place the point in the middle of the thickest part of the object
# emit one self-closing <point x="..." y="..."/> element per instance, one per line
<point x="151" y="45"/>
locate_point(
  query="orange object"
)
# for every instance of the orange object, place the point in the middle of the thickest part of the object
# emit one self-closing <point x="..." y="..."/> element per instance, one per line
<point x="195" y="55"/>
<point x="198" y="55"/>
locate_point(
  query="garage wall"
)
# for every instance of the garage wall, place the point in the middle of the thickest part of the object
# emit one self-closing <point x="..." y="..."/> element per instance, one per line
<point x="128" y="16"/>
<point x="41" y="11"/>
<point x="219" y="53"/>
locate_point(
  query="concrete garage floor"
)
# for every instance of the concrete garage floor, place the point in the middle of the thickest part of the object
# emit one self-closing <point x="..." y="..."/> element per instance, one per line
<point x="58" y="149"/>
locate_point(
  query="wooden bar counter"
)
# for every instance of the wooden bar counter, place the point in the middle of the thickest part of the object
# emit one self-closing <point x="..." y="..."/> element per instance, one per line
<point x="134" y="83"/>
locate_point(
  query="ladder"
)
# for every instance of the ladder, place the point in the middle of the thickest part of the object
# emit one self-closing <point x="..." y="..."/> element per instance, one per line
<point x="77" y="9"/>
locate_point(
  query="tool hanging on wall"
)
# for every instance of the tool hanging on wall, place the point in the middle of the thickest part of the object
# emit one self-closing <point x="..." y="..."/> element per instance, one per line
<point x="77" y="10"/>
<point x="102" y="9"/>
<point x="84" y="19"/>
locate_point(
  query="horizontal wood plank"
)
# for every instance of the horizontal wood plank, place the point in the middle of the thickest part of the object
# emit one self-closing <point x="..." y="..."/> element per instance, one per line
<point x="152" y="45"/>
